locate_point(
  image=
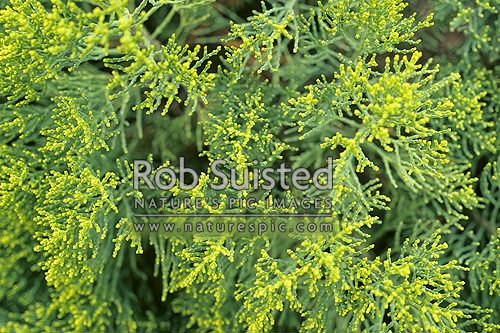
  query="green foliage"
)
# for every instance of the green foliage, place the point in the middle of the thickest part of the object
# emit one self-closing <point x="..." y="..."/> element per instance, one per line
<point x="402" y="95"/>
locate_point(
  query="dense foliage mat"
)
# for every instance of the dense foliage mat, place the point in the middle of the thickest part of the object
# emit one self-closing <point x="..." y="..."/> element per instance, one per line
<point x="402" y="95"/>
